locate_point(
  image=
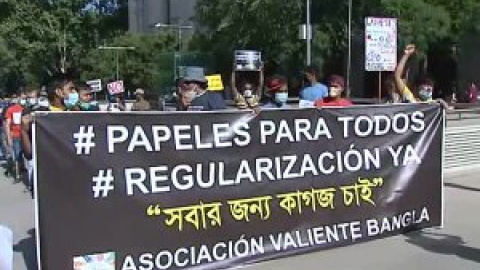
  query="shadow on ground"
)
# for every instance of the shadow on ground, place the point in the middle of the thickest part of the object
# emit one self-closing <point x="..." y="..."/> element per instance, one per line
<point x="28" y="249"/>
<point x="443" y="244"/>
<point x="452" y="185"/>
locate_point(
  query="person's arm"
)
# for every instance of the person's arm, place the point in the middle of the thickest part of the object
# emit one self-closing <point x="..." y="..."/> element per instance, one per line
<point x="401" y="68"/>
<point x="8" y="123"/>
<point x="261" y="82"/>
<point x="121" y="105"/>
<point x="233" y="85"/>
<point x="26" y="142"/>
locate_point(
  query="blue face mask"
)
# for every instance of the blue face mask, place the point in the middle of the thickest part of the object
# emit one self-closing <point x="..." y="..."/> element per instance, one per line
<point x="281" y="98"/>
<point x="425" y="95"/>
<point x="71" y="100"/>
<point x="84" y="105"/>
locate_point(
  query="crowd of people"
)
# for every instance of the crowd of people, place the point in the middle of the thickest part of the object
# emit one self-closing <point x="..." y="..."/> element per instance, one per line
<point x="252" y="92"/>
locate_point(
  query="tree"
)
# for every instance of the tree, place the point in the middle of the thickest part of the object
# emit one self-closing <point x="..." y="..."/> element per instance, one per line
<point x="148" y="65"/>
<point x="270" y="26"/>
<point x="47" y="37"/>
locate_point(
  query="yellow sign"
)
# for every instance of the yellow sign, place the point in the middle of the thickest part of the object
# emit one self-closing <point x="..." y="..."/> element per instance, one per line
<point x="215" y="82"/>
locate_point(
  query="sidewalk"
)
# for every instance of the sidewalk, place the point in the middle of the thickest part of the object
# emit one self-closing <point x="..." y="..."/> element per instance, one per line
<point x="17" y="213"/>
<point x="456" y="247"/>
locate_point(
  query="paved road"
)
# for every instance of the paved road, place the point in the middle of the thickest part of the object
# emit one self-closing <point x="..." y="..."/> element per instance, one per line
<point x="457" y="246"/>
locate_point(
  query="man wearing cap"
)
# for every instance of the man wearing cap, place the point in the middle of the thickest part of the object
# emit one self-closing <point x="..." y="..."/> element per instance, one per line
<point x="336" y="87"/>
<point x="140" y="104"/>
<point x="204" y="100"/>
<point x="315" y="90"/>
<point x="277" y="92"/>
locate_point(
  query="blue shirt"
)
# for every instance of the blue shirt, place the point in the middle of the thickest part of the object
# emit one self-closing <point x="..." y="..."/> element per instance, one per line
<point x="314" y="92"/>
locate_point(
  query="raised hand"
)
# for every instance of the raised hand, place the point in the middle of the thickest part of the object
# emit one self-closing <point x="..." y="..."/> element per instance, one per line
<point x="410" y="49"/>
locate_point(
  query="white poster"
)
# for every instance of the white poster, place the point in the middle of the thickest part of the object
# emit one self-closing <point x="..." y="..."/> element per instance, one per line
<point x="380" y="44"/>
<point x="96" y="85"/>
<point x="115" y="87"/>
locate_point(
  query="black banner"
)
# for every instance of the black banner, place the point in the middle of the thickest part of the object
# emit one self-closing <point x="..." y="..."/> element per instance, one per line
<point x="218" y="190"/>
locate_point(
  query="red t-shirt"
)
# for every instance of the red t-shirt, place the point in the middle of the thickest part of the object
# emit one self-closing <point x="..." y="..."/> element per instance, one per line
<point x="330" y="102"/>
<point x="14" y="113"/>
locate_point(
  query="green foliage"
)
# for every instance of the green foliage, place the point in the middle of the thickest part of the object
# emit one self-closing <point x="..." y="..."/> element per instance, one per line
<point x="41" y="38"/>
<point x="272" y="25"/>
<point x="419" y="22"/>
<point x="148" y="65"/>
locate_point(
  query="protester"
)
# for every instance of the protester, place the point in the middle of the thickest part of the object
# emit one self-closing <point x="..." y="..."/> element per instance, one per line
<point x="204" y="100"/>
<point x="424" y="88"/>
<point x="276" y="95"/>
<point x="13" y="121"/>
<point x="336" y="88"/>
<point x="30" y="106"/>
<point x="314" y="90"/>
<point x="185" y="95"/>
<point x="140" y="104"/>
<point x="22" y="96"/>
<point x="85" y="98"/>
<point x="59" y="92"/>
<point x="473" y="93"/>
<point x="4" y="104"/>
<point x="247" y="94"/>
<point x="62" y="94"/>
<point x="119" y="104"/>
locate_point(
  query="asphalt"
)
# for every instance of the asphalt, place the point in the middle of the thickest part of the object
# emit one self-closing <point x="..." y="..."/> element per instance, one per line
<point x="456" y="246"/>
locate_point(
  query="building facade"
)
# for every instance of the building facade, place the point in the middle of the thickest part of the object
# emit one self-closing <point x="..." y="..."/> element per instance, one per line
<point x="144" y="14"/>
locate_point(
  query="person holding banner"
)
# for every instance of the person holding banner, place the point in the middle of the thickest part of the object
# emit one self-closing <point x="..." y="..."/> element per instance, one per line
<point x="277" y="92"/>
<point x="85" y="102"/>
<point x="314" y="90"/>
<point x="204" y="100"/>
<point x="336" y="87"/>
<point x="118" y="105"/>
<point x="140" y="104"/>
<point x="248" y="92"/>
<point x="61" y="93"/>
<point x="424" y="89"/>
<point x="184" y="94"/>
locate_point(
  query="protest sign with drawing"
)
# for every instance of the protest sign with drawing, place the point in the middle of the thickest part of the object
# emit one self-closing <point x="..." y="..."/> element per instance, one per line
<point x="115" y="87"/>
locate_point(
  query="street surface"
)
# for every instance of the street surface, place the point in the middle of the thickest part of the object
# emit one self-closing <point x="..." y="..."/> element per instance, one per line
<point x="456" y="246"/>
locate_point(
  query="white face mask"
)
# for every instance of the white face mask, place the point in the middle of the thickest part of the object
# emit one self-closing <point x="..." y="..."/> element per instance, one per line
<point x="189" y="95"/>
<point x="32" y="101"/>
<point x="335" y="92"/>
<point x="43" y="102"/>
<point x="281" y="97"/>
<point x="247" y="93"/>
